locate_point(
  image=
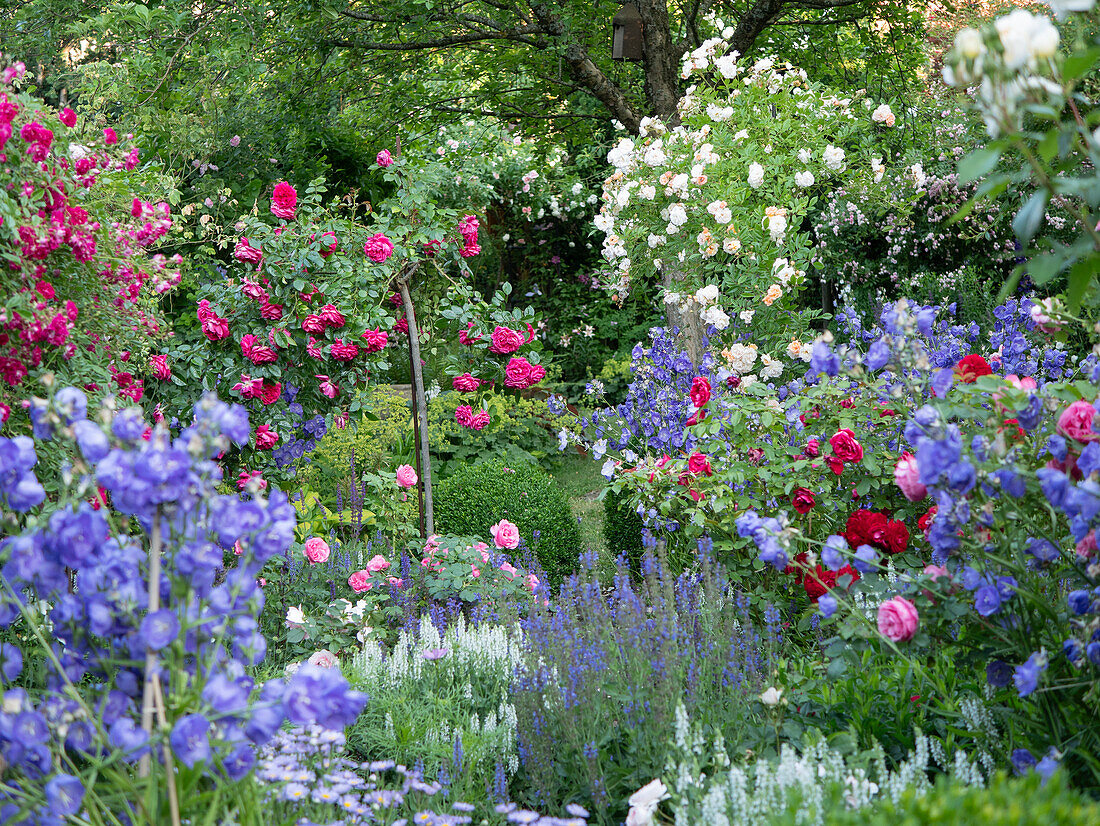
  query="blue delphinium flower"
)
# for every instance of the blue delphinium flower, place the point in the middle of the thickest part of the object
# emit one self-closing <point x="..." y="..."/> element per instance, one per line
<point x="826" y="604"/>
<point x="1026" y="676"/>
<point x="190" y="739"/>
<point x="987" y="600"/>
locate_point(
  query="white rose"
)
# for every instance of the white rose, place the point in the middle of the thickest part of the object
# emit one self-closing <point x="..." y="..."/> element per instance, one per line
<point x="295" y="615"/>
<point x="647" y="192"/>
<point x="969" y="43"/>
<point x="324" y="658"/>
<point x="643" y="803"/>
<point x="1044" y="40"/>
<point x="756" y="175"/>
<point x="746" y="315"/>
<point x="805" y="155"/>
<point x="834" y="157"/>
<point x="715" y="316"/>
<point x="804" y="179"/>
<point x="771" y="696"/>
<point x="1061" y="7"/>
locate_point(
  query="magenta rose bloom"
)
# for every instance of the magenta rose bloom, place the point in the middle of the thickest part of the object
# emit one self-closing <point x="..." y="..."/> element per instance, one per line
<point x="159" y="364"/>
<point x="343" y="352"/>
<point x="505" y="341"/>
<point x="313" y="324"/>
<point x="375" y="340"/>
<point x="464" y="414"/>
<point x="517" y="373"/>
<point x="284" y="201"/>
<point x="699" y="463"/>
<point x="537" y="374"/>
<point x="271" y="312"/>
<point x="378" y="248"/>
<point x="384" y="158"/>
<point x="700" y="391"/>
<point x="317" y="550"/>
<point x="465" y="383"/>
<point x="331" y="316"/>
<point x="360" y="581"/>
<point x="266" y="438"/>
<point x="845" y="446"/>
<point x="907" y="477"/>
<point x="1076" y="422"/>
<point x="505" y="535"/>
<point x="898" y="619"/>
<point x="803" y="500"/>
<point x="109" y="136"/>
<point x="244" y="251"/>
<point x="479" y="420"/>
<point x="68" y="117"/>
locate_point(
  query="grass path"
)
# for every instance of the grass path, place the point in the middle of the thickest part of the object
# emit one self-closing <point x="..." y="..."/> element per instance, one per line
<point x="579" y="476"/>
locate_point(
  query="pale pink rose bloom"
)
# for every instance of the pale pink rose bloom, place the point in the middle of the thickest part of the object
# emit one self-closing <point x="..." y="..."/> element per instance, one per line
<point x="1076" y="422"/>
<point x="317" y="550"/>
<point x="936" y="571"/>
<point x="907" y="477"/>
<point x="396" y="581"/>
<point x="377" y="563"/>
<point x="406" y="476"/>
<point x="532" y="581"/>
<point x="898" y="619"/>
<point x="509" y="571"/>
<point x="360" y="581"/>
<point x="505" y="535"/>
<point x="1087" y="547"/>
<point x="323" y="658"/>
<point x="475" y="570"/>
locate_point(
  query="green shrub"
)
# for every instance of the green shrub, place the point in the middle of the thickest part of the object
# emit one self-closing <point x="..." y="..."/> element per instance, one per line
<point x="622" y="528"/>
<point x="1005" y="802"/>
<point x="478" y="496"/>
<point x="370" y="438"/>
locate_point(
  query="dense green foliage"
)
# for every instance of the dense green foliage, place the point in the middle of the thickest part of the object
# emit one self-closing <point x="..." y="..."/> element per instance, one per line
<point x="479" y="495"/>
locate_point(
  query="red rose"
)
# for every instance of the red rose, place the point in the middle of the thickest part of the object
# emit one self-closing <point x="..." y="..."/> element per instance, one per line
<point x="269" y="393"/>
<point x="696" y="417"/>
<point x="848" y="404"/>
<point x="845" y="446"/>
<point x="862" y="526"/>
<point x="159" y="363"/>
<point x="343" y="352"/>
<point x="925" y="522"/>
<point x="699" y="463"/>
<point x="812" y="449"/>
<point x="896" y="538"/>
<point x="850" y="571"/>
<point x="271" y="312"/>
<point x="700" y="391"/>
<point x="818" y="582"/>
<point x="243" y="251"/>
<point x="803" y="500"/>
<point x="284" y="201"/>
<point x="971" y="367"/>
<point x="537" y="374"/>
<point x="506" y="340"/>
<point x="733" y="382"/>
<point x="266" y="438"/>
<point x="835" y="465"/>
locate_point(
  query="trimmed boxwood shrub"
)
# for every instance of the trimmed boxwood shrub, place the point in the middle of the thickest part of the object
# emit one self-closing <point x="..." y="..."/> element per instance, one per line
<point x="622" y="528"/>
<point x="478" y="496"/>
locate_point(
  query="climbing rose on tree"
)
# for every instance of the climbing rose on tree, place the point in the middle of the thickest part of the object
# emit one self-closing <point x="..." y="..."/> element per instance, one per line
<point x="284" y="201"/>
<point x="378" y="248"/>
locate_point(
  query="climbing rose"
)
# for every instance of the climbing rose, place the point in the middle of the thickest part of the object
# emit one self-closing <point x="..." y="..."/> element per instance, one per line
<point x="243" y="251"/>
<point x="465" y="383"/>
<point x="284" y="201"/>
<point x="159" y="363"/>
<point x="375" y="340"/>
<point x="266" y="438"/>
<point x="331" y="316"/>
<point x="517" y="373"/>
<point x="505" y="341"/>
<point x="378" y="248"/>
<point x="67" y="117"/>
<point x="384" y="158"/>
<point x="700" y="391"/>
<point x="845" y="446"/>
<point x="803" y="500"/>
<point x="907" y="477"/>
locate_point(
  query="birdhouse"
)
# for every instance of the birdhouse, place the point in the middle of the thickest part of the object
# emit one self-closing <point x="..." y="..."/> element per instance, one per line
<point x="626" y="42"/>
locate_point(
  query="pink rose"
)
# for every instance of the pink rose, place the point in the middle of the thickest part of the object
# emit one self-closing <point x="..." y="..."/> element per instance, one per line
<point x="505" y="341"/>
<point x="377" y="563"/>
<point x="317" y="549"/>
<point x="215" y="328"/>
<point x="898" y="619"/>
<point x="313" y="324"/>
<point x="505" y="535"/>
<point x="1087" y="547"/>
<point x="475" y="570"/>
<point x="343" y="352"/>
<point x="845" y="446"/>
<point x="466" y="383"/>
<point x="266" y="438"/>
<point x="360" y="581"/>
<point x="384" y="158"/>
<point x="331" y="316"/>
<point x="323" y="658"/>
<point x="464" y="336"/>
<point x="509" y="571"/>
<point x="537" y="374"/>
<point x="378" y="248"/>
<point x="907" y="477"/>
<point x="375" y="340"/>
<point x="262" y="355"/>
<point x="479" y="420"/>
<point x="532" y="581"/>
<point x="1076" y="422"/>
<point x="271" y="312"/>
<point x="243" y="251"/>
<point x="517" y="372"/>
<point x="314" y="348"/>
<point x="284" y="201"/>
<point x="328" y="388"/>
<point x="406" y="476"/>
<point x="109" y="136"/>
<point x="159" y="363"/>
<point x="936" y="571"/>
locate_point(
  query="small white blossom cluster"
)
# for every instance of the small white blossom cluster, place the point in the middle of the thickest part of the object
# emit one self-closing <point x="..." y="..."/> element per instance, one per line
<point x="752" y="795"/>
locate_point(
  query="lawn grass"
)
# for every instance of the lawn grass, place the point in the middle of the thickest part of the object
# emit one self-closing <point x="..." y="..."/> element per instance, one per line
<point x="579" y="476"/>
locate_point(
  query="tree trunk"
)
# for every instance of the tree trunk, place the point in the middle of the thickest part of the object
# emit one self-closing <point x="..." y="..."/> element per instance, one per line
<point x="690" y="335"/>
<point x="420" y="401"/>
<point x="662" y="87"/>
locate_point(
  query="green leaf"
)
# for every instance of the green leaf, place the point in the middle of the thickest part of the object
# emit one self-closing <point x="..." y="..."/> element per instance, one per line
<point x="977" y="164"/>
<point x="1027" y="220"/>
<point x="1076" y="65"/>
<point x="1082" y="274"/>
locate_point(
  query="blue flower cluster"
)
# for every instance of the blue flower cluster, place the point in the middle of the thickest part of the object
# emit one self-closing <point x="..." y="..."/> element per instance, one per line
<point x="19" y="487"/>
<point x="95" y="583"/>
